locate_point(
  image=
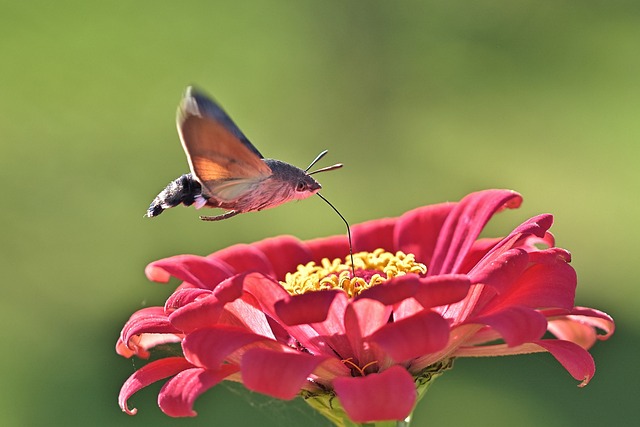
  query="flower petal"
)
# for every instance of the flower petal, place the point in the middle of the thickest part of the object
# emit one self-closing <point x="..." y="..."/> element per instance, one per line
<point x="244" y="258"/>
<point x="183" y="296"/>
<point x="201" y="313"/>
<point x="330" y="335"/>
<point x="516" y="324"/>
<point x="265" y="290"/>
<point x="503" y="270"/>
<point x="177" y="396"/>
<point x="205" y="311"/>
<point x="521" y="236"/>
<point x="209" y="347"/>
<point x="361" y="319"/>
<point x="148" y="374"/>
<point x="414" y="336"/>
<point x="389" y="395"/>
<point x="575" y="359"/>
<point x="463" y="226"/>
<point x="311" y="307"/>
<point x="414" y="294"/>
<point x="328" y="247"/>
<point x="284" y="253"/>
<point x="394" y="291"/>
<point x="149" y="320"/>
<point x="372" y="235"/>
<point x="417" y="230"/>
<point x="548" y="282"/>
<point x="479" y="249"/>
<point x="245" y="315"/>
<point x="139" y="345"/>
<point x="580" y="326"/>
<point x="199" y="271"/>
<point x="428" y="291"/>
<point x="442" y="290"/>
<point x="276" y="373"/>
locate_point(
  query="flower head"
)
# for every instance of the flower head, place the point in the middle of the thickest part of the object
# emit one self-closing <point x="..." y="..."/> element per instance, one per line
<point x="288" y="318"/>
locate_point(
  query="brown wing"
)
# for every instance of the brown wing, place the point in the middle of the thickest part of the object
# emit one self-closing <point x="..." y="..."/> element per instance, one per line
<point x="215" y="147"/>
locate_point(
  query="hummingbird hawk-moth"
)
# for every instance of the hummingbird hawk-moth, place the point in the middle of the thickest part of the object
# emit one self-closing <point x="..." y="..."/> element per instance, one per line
<point x="227" y="171"/>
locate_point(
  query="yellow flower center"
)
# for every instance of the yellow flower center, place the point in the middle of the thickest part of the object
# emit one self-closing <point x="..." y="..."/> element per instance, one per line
<point x="371" y="269"/>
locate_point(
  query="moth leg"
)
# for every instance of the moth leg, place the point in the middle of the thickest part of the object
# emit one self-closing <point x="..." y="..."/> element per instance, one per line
<point x="225" y="215"/>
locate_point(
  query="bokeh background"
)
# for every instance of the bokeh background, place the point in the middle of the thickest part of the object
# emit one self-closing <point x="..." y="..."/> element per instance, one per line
<point x="423" y="101"/>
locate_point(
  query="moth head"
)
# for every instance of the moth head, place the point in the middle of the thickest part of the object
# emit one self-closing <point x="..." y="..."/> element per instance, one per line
<point x="306" y="184"/>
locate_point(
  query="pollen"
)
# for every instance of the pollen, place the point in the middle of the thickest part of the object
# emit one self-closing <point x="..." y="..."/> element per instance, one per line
<point x="371" y="269"/>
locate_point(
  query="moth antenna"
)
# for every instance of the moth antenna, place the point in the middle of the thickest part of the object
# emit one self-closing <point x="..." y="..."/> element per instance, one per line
<point x="328" y="168"/>
<point x="353" y="266"/>
<point x="321" y="155"/>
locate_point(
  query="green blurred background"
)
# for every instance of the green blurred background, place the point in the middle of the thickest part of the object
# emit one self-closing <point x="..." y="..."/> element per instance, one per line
<point x="423" y="101"/>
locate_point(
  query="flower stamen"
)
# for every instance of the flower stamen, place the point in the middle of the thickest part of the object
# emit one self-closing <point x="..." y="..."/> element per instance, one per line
<point x="371" y="269"/>
<point x="357" y="368"/>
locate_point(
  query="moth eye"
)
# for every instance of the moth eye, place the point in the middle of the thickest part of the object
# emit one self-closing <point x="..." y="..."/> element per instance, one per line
<point x="300" y="186"/>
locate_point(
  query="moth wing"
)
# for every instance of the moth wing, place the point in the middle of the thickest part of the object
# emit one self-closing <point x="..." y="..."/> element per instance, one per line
<point x="229" y="191"/>
<point x="216" y="149"/>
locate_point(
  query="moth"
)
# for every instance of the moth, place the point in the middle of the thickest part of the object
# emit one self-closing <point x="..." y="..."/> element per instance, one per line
<point x="227" y="171"/>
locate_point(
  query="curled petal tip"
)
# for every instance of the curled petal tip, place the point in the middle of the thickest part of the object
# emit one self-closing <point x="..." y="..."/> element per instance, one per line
<point x="156" y="274"/>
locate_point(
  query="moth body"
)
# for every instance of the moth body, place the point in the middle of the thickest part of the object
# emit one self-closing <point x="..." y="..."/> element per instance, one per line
<point x="185" y="190"/>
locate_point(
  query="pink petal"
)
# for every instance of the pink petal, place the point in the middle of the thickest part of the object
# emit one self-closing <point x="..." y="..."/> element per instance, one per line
<point x="576" y="360"/>
<point x="148" y="374"/>
<point x="230" y="289"/>
<point x="549" y="282"/>
<point x="567" y="329"/>
<point x="516" y="324"/>
<point x="244" y="258"/>
<point x="372" y="235"/>
<point x="429" y="291"/>
<point x="184" y="296"/>
<point x="139" y="345"/>
<point x="328" y="247"/>
<point x="534" y="242"/>
<point x="198" y="314"/>
<point x="580" y="326"/>
<point x="389" y="395"/>
<point x="536" y="226"/>
<point x="311" y="307"/>
<point x="209" y="347"/>
<point x="265" y="290"/>
<point x="245" y="315"/>
<point x="595" y="318"/>
<point x="205" y="311"/>
<point x="393" y="291"/>
<point x="413" y="295"/>
<point x="502" y="271"/>
<point x="147" y="320"/>
<point x="275" y="373"/>
<point x="177" y="396"/>
<point x="284" y="253"/>
<point x="417" y="230"/>
<point x="332" y="331"/>
<point x="414" y="336"/>
<point x="479" y="249"/>
<point x="533" y="230"/>
<point x="265" y="293"/>
<point x="442" y="290"/>
<point x="199" y="271"/>
<point x="463" y="226"/>
<point x="361" y="319"/>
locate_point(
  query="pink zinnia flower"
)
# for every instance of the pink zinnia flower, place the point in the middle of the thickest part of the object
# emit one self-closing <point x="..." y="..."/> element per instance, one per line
<point x="287" y="318"/>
